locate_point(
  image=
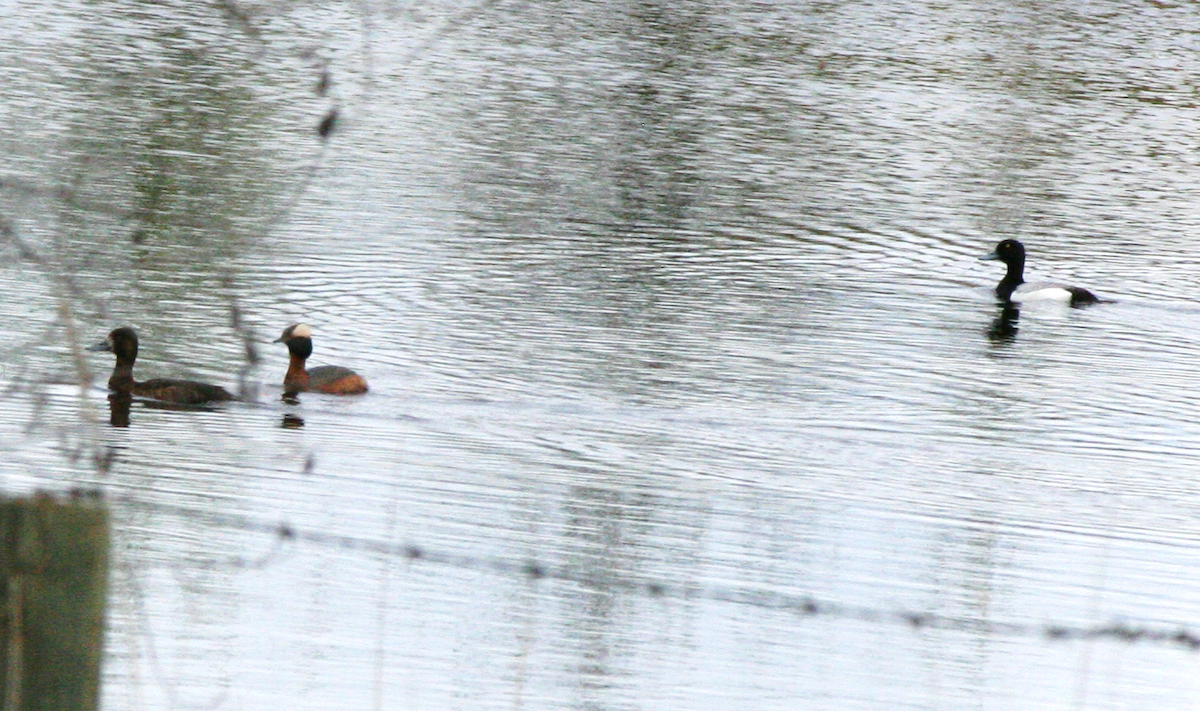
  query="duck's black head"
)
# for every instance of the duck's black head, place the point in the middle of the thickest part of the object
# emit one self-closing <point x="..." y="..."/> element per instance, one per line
<point x="298" y="338"/>
<point x="1009" y="251"/>
<point x="122" y="341"/>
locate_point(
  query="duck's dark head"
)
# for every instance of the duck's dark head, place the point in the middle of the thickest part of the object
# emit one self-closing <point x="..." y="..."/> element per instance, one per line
<point x="298" y="338"/>
<point x="122" y="341"/>
<point x="1009" y="251"/>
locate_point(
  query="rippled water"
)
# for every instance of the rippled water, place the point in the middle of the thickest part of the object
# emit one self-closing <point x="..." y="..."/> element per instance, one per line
<point x="687" y="386"/>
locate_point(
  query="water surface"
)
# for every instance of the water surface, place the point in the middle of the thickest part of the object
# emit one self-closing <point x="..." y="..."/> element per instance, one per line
<point x="688" y="389"/>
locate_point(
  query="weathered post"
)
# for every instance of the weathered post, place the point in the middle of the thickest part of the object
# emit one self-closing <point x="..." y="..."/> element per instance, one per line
<point x="54" y="559"/>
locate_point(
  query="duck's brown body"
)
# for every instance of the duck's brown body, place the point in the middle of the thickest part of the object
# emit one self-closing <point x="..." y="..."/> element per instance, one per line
<point x="123" y="342"/>
<point x="332" y="379"/>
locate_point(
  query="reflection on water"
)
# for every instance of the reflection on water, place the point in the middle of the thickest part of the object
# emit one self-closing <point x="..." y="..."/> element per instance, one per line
<point x="118" y="408"/>
<point x="1004" y="327"/>
<point x="673" y="323"/>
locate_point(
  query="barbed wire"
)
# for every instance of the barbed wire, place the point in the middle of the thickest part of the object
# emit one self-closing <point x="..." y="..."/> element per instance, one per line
<point x="532" y="570"/>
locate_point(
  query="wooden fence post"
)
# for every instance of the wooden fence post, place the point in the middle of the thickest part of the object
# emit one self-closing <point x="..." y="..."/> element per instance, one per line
<point x="54" y="558"/>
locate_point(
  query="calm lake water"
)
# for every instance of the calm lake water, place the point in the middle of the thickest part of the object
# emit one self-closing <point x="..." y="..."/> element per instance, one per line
<point x="688" y="390"/>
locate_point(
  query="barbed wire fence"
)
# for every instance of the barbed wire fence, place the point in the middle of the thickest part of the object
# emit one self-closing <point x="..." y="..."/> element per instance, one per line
<point x="282" y="536"/>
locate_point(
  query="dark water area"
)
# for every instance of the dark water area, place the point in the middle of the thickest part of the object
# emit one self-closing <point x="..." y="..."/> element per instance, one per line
<point x="688" y="388"/>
